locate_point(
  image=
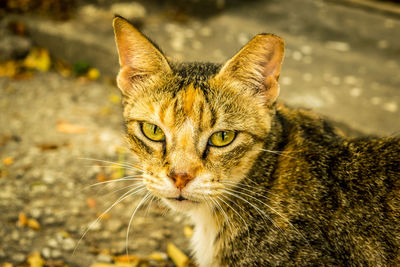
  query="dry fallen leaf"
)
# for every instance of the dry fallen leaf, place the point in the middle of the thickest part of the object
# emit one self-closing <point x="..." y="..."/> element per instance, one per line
<point x="8" y="161"/>
<point x="91" y="202"/>
<point x="177" y="256"/>
<point x="158" y="256"/>
<point x="35" y="260"/>
<point x="33" y="224"/>
<point x="188" y="231"/>
<point x="65" y="127"/>
<point x="9" y="68"/>
<point x="101" y="177"/>
<point x="38" y="59"/>
<point x="93" y="74"/>
<point x="114" y="98"/>
<point x="22" y="219"/>
<point x="126" y="258"/>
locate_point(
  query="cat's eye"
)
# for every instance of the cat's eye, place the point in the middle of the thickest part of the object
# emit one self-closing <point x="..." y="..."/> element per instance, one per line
<point x="222" y="138"/>
<point x="153" y="132"/>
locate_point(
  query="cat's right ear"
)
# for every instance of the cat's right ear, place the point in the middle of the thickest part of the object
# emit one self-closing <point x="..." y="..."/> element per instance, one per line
<point x="140" y="61"/>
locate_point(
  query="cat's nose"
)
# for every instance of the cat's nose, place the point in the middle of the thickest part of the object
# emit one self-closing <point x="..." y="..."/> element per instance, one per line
<point x="180" y="179"/>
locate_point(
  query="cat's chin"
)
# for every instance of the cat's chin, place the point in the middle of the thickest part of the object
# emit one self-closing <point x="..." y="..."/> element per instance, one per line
<point x="181" y="205"/>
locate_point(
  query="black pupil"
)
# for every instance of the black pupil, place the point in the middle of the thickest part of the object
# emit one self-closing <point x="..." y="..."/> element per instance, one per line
<point x="154" y="129"/>
<point x="223" y="136"/>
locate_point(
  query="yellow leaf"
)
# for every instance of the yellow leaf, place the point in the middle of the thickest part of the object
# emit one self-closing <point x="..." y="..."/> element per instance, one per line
<point x="35" y="260"/>
<point x="158" y="256"/>
<point x="188" y="231"/>
<point x="9" y="69"/>
<point x="33" y="224"/>
<point x="65" y="127"/>
<point x="177" y="256"/>
<point x="8" y="161"/>
<point x="93" y="74"/>
<point x="22" y="219"/>
<point x="114" y="98"/>
<point x="39" y="59"/>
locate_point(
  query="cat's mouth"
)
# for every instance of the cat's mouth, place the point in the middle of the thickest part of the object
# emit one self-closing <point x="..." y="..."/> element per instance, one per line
<point x="181" y="199"/>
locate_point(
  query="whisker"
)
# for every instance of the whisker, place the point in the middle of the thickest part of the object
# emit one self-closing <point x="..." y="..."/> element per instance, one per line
<point x="261" y="212"/>
<point x="115" y="163"/>
<point x="241" y="186"/>
<point x="130" y="221"/>
<point x="240" y="216"/>
<point x="115" y="167"/>
<point x="218" y="205"/>
<point x="276" y="212"/>
<point x="123" y="197"/>
<point x="281" y="153"/>
<point x="123" y="179"/>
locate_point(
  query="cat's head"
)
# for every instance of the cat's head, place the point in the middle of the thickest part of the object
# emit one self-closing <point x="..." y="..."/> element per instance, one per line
<point x="196" y="128"/>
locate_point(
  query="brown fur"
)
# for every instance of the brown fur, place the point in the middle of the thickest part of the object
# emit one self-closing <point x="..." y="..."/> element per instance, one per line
<point x="289" y="190"/>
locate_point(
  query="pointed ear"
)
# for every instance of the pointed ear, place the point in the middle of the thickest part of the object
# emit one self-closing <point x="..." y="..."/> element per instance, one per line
<point x="140" y="61"/>
<point x="257" y="66"/>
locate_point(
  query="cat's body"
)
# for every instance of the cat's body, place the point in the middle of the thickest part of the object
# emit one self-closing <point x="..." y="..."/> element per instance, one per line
<point x="265" y="185"/>
<point x="336" y="201"/>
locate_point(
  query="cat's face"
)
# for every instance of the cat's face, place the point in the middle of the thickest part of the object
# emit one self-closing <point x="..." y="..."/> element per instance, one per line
<point x="196" y="128"/>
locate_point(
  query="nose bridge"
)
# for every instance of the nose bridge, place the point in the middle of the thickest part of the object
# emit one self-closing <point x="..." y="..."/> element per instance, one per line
<point x="183" y="153"/>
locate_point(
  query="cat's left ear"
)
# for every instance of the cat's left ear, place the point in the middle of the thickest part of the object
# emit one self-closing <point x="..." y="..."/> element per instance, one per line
<point x="256" y="66"/>
<point x="141" y="62"/>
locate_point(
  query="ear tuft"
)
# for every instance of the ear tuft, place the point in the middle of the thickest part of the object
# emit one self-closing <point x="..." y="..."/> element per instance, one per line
<point x="257" y="66"/>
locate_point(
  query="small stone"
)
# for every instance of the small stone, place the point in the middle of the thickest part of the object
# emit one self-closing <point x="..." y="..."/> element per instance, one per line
<point x="355" y="92"/>
<point x="297" y="55"/>
<point x="15" y="235"/>
<point x="338" y="46"/>
<point x="352" y="80"/>
<point x="35" y="213"/>
<point x="68" y="244"/>
<point x="376" y="100"/>
<point x="307" y="77"/>
<point x="286" y="80"/>
<point x="131" y="10"/>
<point x="56" y="254"/>
<point x="114" y="225"/>
<point x="157" y="235"/>
<point x="18" y="257"/>
<point x="390" y="106"/>
<point x="383" y="44"/>
<point x="52" y="243"/>
<point x="46" y="252"/>
<point x="205" y="31"/>
<point x="104" y="258"/>
<point x="306" y="49"/>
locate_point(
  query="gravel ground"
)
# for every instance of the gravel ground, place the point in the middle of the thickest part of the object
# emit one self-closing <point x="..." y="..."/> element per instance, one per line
<point x="341" y="62"/>
<point x="51" y="124"/>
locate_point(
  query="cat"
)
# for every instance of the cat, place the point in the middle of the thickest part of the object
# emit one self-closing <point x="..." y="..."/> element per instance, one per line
<point x="264" y="184"/>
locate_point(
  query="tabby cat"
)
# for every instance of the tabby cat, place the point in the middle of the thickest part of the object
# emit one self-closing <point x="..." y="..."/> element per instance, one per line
<point x="264" y="184"/>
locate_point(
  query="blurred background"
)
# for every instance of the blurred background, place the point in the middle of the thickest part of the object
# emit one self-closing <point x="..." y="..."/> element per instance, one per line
<point x="60" y="116"/>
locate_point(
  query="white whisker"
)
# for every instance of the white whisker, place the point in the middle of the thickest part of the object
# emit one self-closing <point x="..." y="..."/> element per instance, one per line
<point x="131" y="192"/>
<point x="130" y="221"/>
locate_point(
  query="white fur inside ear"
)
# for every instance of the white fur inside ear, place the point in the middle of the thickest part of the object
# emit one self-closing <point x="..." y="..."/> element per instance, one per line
<point x="204" y="235"/>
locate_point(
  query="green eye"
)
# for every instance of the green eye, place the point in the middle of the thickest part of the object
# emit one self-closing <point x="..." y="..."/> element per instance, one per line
<point x="222" y="138"/>
<point x="153" y="132"/>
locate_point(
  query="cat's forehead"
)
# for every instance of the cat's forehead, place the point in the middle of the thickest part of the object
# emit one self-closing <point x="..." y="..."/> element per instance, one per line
<point x="195" y="72"/>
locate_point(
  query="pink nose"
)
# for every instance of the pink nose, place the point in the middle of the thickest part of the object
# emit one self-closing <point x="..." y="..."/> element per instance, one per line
<point x="180" y="179"/>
